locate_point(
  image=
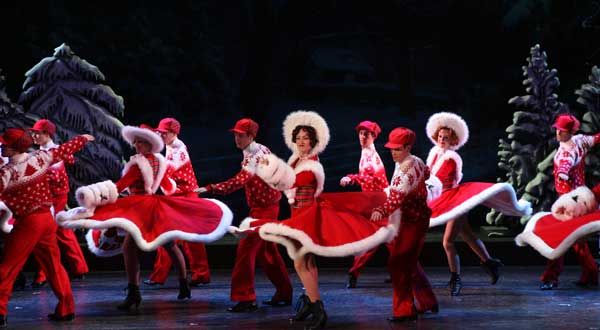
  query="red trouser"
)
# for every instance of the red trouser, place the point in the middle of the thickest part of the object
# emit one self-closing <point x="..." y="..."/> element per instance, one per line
<point x="35" y="232"/>
<point x="196" y="257"/>
<point x="361" y="261"/>
<point x="253" y="248"/>
<point x="589" y="273"/>
<point x="408" y="279"/>
<point x="68" y="245"/>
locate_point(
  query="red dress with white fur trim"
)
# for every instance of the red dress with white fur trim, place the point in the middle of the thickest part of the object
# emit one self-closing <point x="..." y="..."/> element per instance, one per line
<point x="152" y="220"/>
<point x="457" y="199"/>
<point x="332" y="225"/>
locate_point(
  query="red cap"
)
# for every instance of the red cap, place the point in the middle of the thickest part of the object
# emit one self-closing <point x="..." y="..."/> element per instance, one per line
<point x="169" y="125"/>
<point x="245" y="126"/>
<point x="17" y="138"/>
<point x="44" y="125"/>
<point x="399" y="137"/>
<point x="369" y="126"/>
<point x="567" y="123"/>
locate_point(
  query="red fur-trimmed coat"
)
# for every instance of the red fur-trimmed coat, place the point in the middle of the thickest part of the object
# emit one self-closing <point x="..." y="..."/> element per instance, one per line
<point x="408" y="191"/>
<point x="569" y="162"/>
<point x="144" y="174"/>
<point x="446" y="166"/>
<point x="371" y="172"/>
<point x="180" y="167"/>
<point x="258" y="192"/>
<point x="23" y="181"/>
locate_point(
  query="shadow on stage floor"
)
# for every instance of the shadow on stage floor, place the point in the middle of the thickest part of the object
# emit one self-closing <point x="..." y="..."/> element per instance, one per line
<point x="514" y="303"/>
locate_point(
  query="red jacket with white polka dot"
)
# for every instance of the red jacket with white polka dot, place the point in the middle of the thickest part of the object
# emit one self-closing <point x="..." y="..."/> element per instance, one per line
<point x="180" y="168"/>
<point x="569" y="162"/>
<point x="23" y="182"/>
<point x="258" y="192"/>
<point x="371" y="172"/>
<point x="408" y="191"/>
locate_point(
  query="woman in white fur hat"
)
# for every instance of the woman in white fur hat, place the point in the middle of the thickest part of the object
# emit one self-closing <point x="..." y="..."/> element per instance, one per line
<point x="150" y="220"/>
<point x="330" y="225"/>
<point x="449" y="132"/>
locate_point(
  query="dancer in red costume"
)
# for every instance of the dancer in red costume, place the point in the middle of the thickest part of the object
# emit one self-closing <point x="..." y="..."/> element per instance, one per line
<point x="42" y="133"/>
<point x="331" y="225"/>
<point x="25" y="190"/>
<point x="170" y="217"/>
<point x="408" y="194"/>
<point x="370" y="177"/>
<point x="449" y="132"/>
<point x="263" y="201"/>
<point x="182" y="172"/>
<point x="569" y="166"/>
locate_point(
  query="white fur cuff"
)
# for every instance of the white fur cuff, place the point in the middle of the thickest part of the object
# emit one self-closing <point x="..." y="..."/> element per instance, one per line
<point x="277" y="173"/>
<point x="100" y="193"/>
<point x="578" y="202"/>
<point x="434" y="188"/>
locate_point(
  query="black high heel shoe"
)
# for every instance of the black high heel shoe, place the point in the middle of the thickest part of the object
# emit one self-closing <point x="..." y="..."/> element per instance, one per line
<point x="134" y="297"/>
<point x="303" y="309"/>
<point x="319" y="319"/>
<point x="492" y="267"/>
<point x="64" y="318"/>
<point x="455" y="285"/>
<point x="184" y="290"/>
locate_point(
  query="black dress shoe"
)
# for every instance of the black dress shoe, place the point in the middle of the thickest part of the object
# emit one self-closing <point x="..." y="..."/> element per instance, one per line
<point x="547" y="286"/>
<point x="64" y="318"/>
<point x="20" y="282"/>
<point x="3" y="321"/>
<point x="78" y="277"/>
<point x="351" y="281"/>
<point x="151" y="282"/>
<point x="277" y="302"/>
<point x="243" y="307"/>
<point x="388" y="280"/>
<point x="197" y="283"/>
<point x="400" y="319"/>
<point x="37" y="285"/>
<point x="585" y="285"/>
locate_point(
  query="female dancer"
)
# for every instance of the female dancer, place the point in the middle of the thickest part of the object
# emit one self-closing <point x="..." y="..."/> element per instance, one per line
<point x="150" y="220"/>
<point x="449" y="132"/>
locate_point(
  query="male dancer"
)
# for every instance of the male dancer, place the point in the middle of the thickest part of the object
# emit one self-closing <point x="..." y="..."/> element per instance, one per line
<point x="370" y="177"/>
<point x="182" y="172"/>
<point x="42" y="133"/>
<point x="263" y="201"/>
<point x="569" y="166"/>
<point x="26" y="192"/>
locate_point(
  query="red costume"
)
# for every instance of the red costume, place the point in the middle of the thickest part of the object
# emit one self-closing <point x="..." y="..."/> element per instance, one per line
<point x="263" y="201"/>
<point x="569" y="165"/>
<point x="25" y="190"/>
<point x="67" y="241"/>
<point x="182" y="172"/>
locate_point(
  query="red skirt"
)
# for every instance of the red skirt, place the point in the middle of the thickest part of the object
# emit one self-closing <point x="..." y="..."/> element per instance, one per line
<point x="335" y="225"/>
<point x="459" y="200"/>
<point x="552" y="237"/>
<point x="151" y="220"/>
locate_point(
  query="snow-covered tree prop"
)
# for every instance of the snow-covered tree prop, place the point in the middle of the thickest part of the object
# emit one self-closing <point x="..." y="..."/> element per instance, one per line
<point x="526" y="154"/>
<point x="11" y="114"/>
<point x="70" y="92"/>
<point x="589" y="96"/>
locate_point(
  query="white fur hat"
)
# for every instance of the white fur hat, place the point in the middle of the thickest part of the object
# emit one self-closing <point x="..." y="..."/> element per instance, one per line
<point x="450" y="120"/>
<point x="130" y="132"/>
<point x="308" y="118"/>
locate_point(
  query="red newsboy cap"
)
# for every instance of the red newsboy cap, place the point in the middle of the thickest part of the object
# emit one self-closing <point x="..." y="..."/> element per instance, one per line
<point x="369" y="126"/>
<point x="169" y="125"/>
<point x="399" y="137"/>
<point x="44" y="125"/>
<point x="245" y="126"/>
<point x="566" y="122"/>
<point x="17" y="138"/>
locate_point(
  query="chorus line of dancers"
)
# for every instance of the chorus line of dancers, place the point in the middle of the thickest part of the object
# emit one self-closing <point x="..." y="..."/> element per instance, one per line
<point x="155" y="205"/>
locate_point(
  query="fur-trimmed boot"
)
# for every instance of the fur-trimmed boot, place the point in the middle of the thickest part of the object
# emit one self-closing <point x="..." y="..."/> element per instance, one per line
<point x="319" y="319"/>
<point x="134" y="297"/>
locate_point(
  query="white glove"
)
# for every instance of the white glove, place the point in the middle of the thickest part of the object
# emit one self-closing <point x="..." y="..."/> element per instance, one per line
<point x="563" y="176"/>
<point x="200" y="190"/>
<point x="345" y="181"/>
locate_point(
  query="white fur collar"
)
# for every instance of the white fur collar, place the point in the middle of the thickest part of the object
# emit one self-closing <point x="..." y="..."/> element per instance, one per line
<point x="312" y="166"/>
<point x="443" y="156"/>
<point x="151" y="183"/>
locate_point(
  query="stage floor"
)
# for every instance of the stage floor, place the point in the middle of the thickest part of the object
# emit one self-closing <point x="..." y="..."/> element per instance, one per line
<point x="514" y="303"/>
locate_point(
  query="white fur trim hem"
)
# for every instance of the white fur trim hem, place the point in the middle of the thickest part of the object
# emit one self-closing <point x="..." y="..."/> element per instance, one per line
<point x="290" y="237"/>
<point x="500" y="196"/>
<point x="73" y="219"/>
<point x="5" y="215"/>
<point x="528" y="237"/>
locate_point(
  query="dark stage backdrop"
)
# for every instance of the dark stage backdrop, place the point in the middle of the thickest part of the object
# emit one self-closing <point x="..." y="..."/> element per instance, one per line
<point x="208" y="63"/>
